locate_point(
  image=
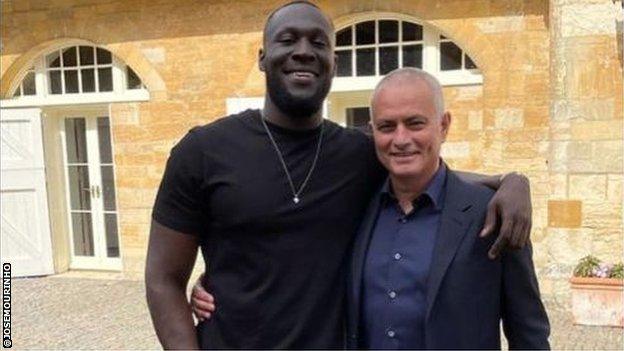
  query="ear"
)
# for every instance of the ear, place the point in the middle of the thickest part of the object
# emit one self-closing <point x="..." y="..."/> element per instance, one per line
<point x="261" y="66"/>
<point x="446" y="124"/>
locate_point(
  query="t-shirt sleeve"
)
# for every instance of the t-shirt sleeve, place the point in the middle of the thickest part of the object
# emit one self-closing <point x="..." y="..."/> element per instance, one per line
<point x="178" y="203"/>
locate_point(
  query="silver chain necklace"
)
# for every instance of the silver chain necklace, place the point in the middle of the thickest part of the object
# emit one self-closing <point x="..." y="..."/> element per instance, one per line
<point x="295" y="192"/>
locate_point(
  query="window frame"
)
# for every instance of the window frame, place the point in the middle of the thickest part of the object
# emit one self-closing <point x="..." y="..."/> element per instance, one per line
<point x="44" y="97"/>
<point x="430" y="59"/>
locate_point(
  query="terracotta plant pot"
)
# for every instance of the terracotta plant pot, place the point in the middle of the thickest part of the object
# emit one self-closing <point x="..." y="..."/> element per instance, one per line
<point x="598" y="301"/>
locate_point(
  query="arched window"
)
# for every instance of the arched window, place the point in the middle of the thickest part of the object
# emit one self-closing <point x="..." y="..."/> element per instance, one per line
<point x="77" y="74"/>
<point x="377" y="47"/>
<point x="369" y="49"/>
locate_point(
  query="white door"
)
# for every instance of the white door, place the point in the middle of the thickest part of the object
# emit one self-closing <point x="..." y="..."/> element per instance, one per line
<point x="25" y="228"/>
<point x="90" y="189"/>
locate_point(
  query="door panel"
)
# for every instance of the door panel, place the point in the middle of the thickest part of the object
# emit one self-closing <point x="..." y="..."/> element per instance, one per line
<point x="91" y="190"/>
<point x="25" y="230"/>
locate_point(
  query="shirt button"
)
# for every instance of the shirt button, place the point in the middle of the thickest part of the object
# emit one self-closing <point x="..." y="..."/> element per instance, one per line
<point x="390" y="333"/>
<point x="397" y="256"/>
<point x="402" y="220"/>
<point x="392" y="294"/>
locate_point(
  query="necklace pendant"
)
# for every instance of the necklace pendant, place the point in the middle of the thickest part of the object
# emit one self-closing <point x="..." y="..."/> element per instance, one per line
<point x="296" y="199"/>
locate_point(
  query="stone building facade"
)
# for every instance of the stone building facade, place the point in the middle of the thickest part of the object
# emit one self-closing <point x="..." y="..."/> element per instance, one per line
<point x="538" y="90"/>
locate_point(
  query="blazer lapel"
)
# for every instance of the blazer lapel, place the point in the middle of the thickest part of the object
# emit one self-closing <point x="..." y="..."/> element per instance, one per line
<point x="454" y="223"/>
<point x="359" y="253"/>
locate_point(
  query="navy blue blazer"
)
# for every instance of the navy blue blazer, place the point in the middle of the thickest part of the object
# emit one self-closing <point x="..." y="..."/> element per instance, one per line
<point x="468" y="294"/>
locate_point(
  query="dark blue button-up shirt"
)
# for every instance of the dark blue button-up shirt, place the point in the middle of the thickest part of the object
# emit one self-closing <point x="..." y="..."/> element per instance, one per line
<point x="397" y="268"/>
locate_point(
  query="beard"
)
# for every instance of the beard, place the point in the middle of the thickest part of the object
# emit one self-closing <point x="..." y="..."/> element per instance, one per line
<point x="295" y="106"/>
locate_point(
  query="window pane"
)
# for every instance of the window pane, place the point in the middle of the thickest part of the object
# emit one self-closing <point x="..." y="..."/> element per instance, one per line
<point x="28" y="84"/>
<point x="357" y="116"/>
<point x="343" y="37"/>
<point x="388" y="59"/>
<point x="345" y="64"/>
<point x="103" y="56"/>
<point x="54" y="78"/>
<point x="83" y="234"/>
<point x="53" y="60"/>
<point x="88" y="80"/>
<point x="105" y="78"/>
<point x="450" y="56"/>
<point x="468" y="63"/>
<point x="112" y="239"/>
<point x="71" y="81"/>
<point x="365" y="62"/>
<point x="69" y="57"/>
<point x="103" y="125"/>
<point x="108" y="188"/>
<point x="134" y="82"/>
<point x="86" y="55"/>
<point x="75" y="140"/>
<point x="79" y="187"/>
<point x="412" y="56"/>
<point x="17" y="92"/>
<point x="412" y="31"/>
<point x="388" y="31"/>
<point x="365" y="33"/>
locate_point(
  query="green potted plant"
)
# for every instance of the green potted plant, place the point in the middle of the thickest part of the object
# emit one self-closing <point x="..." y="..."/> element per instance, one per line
<point x="597" y="293"/>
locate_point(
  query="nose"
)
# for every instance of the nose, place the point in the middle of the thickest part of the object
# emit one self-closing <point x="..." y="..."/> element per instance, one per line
<point x="401" y="137"/>
<point x="303" y="51"/>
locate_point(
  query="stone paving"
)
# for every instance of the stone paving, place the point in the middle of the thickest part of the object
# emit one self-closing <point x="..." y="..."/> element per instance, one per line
<point x="65" y="312"/>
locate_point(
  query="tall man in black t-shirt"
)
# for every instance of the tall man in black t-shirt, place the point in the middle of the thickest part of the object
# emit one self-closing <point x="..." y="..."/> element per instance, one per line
<point x="274" y="198"/>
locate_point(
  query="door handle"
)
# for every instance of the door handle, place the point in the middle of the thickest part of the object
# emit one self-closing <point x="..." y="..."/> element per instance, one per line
<point x="97" y="191"/>
<point x="89" y="190"/>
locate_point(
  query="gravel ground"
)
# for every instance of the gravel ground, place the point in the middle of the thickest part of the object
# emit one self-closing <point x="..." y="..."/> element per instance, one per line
<point x="63" y="312"/>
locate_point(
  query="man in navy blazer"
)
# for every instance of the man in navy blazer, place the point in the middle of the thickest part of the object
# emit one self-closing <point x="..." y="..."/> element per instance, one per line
<point x="420" y="276"/>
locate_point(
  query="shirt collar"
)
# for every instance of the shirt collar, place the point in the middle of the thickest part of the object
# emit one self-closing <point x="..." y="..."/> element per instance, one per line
<point x="434" y="190"/>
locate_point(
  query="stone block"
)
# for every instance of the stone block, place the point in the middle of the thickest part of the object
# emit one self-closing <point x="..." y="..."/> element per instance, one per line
<point x="588" y="19"/>
<point x="521" y="150"/>
<point x="508" y="118"/>
<point x="598" y="130"/>
<point x="558" y="185"/>
<point x="156" y="55"/>
<point x="588" y="187"/>
<point x="558" y="160"/>
<point x="594" y="109"/>
<point x="602" y="216"/>
<point x="469" y="93"/>
<point x="455" y="150"/>
<point x="501" y="24"/>
<point x="614" y="188"/>
<point x="475" y="120"/>
<point x="564" y="213"/>
<point x="607" y="156"/>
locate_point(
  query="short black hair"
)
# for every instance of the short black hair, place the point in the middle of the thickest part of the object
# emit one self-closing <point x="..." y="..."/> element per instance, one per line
<point x="290" y="3"/>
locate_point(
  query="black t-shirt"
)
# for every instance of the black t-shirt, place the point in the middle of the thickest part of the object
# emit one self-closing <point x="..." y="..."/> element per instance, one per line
<point x="274" y="267"/>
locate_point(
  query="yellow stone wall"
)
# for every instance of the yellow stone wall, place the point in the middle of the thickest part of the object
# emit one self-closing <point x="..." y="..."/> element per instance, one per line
<point x="550" y="105"/>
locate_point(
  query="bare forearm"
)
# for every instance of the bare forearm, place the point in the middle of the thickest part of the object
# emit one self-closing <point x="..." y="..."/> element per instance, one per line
<point x="171" y="315"/>
<point x="170" y="258"/>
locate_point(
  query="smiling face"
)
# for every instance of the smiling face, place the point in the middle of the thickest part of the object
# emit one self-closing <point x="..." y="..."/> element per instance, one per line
<point x="407" y="128"/>
<point x="298" y="59"/>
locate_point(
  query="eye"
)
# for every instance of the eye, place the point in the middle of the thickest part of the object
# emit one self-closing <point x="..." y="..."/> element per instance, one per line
<point x="319" y="42"/>
<point x="286" y="39"/>
<point x="384" y="128"/>
<point x="415" y="124"/>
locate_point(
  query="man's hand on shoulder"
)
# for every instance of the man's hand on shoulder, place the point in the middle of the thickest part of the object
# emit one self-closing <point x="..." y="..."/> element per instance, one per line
<point x="510" y="210"/>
